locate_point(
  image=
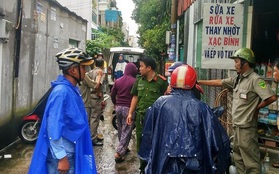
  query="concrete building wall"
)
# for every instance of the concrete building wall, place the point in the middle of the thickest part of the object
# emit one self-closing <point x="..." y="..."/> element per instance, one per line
<point x="133" y="41"/>
<point x="125" y="30"/>
<point x="7" y="65"/>
<point x="81" y="8"/>
<point x="95" y="15"/>
<point x="103" y="5"/>
<point x="46" y="29"/>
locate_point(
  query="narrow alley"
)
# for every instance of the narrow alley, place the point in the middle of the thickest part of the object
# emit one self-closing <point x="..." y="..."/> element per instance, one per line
<point x="16" y="158"/>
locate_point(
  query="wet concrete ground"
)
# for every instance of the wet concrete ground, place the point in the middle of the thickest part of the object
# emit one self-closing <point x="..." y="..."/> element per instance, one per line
<point x="16" y="158"/>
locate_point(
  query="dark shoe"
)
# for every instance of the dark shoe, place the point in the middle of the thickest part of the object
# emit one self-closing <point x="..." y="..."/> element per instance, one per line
<point x="119" y="158"/>
<point x="95" y="142"/>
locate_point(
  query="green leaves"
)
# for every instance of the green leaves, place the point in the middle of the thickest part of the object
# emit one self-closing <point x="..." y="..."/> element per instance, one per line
<point x="107" y="37"/>
<point x="153" y="17"/>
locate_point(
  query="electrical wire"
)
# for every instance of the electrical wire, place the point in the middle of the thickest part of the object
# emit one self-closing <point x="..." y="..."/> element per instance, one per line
<point x="19" y="16"/>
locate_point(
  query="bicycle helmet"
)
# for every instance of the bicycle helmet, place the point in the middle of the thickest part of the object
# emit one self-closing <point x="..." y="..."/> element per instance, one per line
<point x="175" y="65"/>
<point x="246" y="54"/>
<point x="71" y="56"/>
<point x="184" y="77"/>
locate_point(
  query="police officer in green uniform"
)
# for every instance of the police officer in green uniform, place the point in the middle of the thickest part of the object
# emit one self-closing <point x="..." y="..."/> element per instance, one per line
<point x="146" y="90"/>
<point x="250" y="93"/>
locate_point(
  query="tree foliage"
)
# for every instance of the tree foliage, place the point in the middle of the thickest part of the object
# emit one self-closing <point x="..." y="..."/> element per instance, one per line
<point x="153" y="17"/>
<point x="107" y="37"/>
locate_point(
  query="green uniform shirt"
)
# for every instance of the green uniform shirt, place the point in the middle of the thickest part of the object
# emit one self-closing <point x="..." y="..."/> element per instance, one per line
<point x="247" y="93"/>
<point x="148" y="91"/>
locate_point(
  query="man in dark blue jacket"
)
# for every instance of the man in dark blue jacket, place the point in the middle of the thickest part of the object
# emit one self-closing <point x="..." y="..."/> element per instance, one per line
<point x="181" y="134"/>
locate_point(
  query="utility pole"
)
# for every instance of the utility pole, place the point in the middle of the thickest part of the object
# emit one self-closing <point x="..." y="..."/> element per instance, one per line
<point x="172" y="55"/>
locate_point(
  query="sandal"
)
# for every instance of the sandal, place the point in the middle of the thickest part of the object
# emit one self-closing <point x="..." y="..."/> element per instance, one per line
<point x="119" y="158"/>
<point x="276" y="165"/>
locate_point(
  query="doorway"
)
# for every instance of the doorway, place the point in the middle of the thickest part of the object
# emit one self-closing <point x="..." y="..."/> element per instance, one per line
<point x="265" y="30"/>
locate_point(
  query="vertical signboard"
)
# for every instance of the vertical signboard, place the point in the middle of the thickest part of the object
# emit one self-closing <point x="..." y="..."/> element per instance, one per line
<point x="167" y="65"/>
<point x="222" y="34"/>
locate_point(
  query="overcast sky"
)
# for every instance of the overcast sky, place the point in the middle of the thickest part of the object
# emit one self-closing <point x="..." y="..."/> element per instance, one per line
<point x="126" y="7"/>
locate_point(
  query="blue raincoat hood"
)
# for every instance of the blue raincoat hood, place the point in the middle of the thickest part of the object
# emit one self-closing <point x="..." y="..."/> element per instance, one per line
<point x="181" y="134"/>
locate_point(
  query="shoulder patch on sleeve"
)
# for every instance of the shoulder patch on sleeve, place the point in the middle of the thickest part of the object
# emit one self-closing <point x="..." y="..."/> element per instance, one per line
<point x="162" y="77"/>
<point x="262" y="84"/>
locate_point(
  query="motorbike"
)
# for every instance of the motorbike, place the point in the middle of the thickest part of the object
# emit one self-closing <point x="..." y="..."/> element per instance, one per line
<point x="114" y="120"/>
<point x="29" y="128"/>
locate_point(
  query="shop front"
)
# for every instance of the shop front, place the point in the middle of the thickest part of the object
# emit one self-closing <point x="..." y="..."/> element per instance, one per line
<point x="214" y="30"/>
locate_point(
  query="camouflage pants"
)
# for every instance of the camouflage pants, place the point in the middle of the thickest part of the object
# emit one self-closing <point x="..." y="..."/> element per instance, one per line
<point x="124" y="130"/>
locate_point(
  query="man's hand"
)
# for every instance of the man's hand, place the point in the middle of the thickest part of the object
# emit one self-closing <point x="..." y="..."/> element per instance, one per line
<point x="129" y="119"/>
<point x="277" y="122"/>
<point x="63" y="165"/>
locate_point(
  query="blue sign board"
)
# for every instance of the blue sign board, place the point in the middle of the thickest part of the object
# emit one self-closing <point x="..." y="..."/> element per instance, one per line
<point x="112" y="15"/>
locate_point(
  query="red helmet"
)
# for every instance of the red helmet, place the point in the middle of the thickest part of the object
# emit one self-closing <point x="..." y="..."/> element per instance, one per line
<point x="184" y="77"/>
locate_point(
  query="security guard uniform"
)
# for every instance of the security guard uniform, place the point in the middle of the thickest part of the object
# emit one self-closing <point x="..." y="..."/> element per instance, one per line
<point x="96" y="100"/>
<point x="248" y="90"/>
<point x="86" y="85"/>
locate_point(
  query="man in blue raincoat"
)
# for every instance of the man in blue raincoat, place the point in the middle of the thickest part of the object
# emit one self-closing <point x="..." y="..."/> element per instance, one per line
<point x="64" y="143"/>
<point x="181" y="134"/>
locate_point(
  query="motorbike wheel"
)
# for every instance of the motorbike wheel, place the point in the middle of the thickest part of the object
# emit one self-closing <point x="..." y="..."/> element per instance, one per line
<point x="114" y="121"/>
<point x="27" y="132"/>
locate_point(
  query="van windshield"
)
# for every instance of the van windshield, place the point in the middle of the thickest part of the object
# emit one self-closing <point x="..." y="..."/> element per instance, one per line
<point x="127" y="57"/>
<point x="129" y="54"/>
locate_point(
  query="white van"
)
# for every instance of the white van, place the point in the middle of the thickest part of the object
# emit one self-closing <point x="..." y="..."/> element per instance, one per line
<point x="130" y="54"/>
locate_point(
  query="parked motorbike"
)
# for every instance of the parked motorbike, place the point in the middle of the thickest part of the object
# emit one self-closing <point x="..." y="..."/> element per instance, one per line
<point x="29" y="128"/>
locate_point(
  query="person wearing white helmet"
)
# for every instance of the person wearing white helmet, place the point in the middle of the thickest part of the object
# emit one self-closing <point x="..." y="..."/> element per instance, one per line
<point x="64" y="143"/>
